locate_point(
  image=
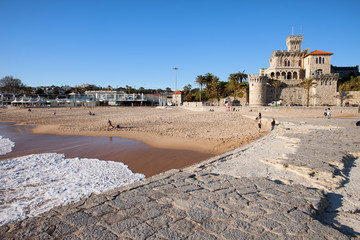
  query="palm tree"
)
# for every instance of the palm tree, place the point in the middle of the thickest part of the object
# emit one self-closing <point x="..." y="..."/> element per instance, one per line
<point x="201" y="80"/>
<point x="307" y="83"/>
<point x="239" y="77"/>
<point x="276" y="84"/>
<point x="233" y="86"/>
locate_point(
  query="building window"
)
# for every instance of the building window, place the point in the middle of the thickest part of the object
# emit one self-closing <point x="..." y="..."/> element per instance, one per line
<point x="289" y="63"/>
<point x="285" y="63"/>
<point x="316" y="60"/>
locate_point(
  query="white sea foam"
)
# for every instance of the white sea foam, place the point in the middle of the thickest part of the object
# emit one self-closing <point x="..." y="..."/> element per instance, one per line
<point x="6" y="145"/>
<point x="33" y="184"/>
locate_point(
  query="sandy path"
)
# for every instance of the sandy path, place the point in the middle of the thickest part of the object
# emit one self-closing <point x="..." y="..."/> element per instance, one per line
<point x="173" y="128"/>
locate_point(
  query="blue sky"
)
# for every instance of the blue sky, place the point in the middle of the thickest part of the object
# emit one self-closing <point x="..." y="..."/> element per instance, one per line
<point x="138" y="43"/>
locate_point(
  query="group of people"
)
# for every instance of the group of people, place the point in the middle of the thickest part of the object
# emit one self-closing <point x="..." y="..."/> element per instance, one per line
<point x="273" y="122"/>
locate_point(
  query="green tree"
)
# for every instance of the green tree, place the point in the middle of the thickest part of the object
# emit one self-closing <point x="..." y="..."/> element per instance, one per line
<point x="238" y="77"/>
<point x="11" y="85"/>
<point x="187" y="89"/>
<point x="201" y="80"/>
<point x="141" y="90"/>
<point x="213" y="88"/>
<point x="235" y="84"/>
<point x="307" y="83"/>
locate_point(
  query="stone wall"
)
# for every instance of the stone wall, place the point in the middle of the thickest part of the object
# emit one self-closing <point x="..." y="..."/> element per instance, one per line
<point x="351" y="97"/>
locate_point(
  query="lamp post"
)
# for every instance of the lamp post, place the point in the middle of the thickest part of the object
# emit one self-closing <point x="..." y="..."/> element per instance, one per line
<point x="175" y="68"/>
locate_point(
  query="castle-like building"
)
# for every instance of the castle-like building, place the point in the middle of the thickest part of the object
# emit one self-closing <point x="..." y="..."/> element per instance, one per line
<point x="290" y="67"/>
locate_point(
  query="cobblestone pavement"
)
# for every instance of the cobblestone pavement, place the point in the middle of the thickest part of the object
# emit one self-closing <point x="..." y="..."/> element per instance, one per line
<point x="216" y="200"/>
<point x="181" y="205"/>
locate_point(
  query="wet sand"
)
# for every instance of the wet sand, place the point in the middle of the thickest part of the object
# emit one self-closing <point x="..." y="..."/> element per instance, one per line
<point x="170" y="128"/>
<point x="140" y="157"/>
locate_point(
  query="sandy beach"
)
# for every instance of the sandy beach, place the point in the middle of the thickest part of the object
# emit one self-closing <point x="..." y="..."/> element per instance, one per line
<point x="171" y="128"/>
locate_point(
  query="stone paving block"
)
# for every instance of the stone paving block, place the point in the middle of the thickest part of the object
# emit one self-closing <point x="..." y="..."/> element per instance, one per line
<point x="156" y="195"/>
<point x="160" y="221"/>
<point x="177" y="213"/>
<point x="182" y="175"/>
<point x="268" y="224"/>
<point x="165" y="188"/>
<point x="138" y="199"/>
<point x="154" y="237"/>
<point x="140" y="232"/>
<point x="298" y="216"/>
<point x="215" y="226"/>
<point x="183" y="226"/>
<point x="71" y="237"/>
<point x="66" y="210"/>
<point x="121" y="226"/>
<point x="200" y="235"/>
<point x="97" y="232"/>
<point x="100" y="210"/>
<point x="44" y="236"/>
<point x="94" y="200"/>
<point x="80" y="219"/>
<point x="150" y="213"/>
<point x="119" y="204"/>
<point x="220" y="215"/>
<point x="211" y="205"/>
<point x="247" y="227"/>
<point x="62" y="229"/>
<point x="148" y="205"/>
<point x="198" y="214"/>
<point x="31" y="227"/>
<point x="168" y="233"/>
<point x="294" y="228"/>
<point x="113" y="217"/>
<point x="214" y="186"/>
<point x="269" y="236"/>
<point x="3" y="229"/>
<point x="188" y="188"/>
<point x="235" y="234"/>
<point x="279" y="217"/>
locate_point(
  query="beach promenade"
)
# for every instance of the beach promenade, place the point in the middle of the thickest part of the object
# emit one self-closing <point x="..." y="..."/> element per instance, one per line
<point x="298" y="182"/>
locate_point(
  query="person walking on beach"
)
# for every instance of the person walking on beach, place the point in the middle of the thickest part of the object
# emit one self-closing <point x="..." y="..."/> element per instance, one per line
<point x="328" y="113"/>
<point x="259" y="124"/>
<point x="272" y="124"/>
<point x="54" y="112"/>
<point x="325" y="113"/>
<point x="109" y="125"/>
<point x="259" y="115"/>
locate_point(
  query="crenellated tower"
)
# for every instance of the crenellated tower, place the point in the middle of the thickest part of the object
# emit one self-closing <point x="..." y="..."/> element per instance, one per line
<point x="293" y="43"/>
<point x="257" y="88"/>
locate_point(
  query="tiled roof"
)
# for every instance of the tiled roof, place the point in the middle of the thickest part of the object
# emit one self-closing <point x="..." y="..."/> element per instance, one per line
<point x="318" y="52"/>
<point x="177" y="92"/>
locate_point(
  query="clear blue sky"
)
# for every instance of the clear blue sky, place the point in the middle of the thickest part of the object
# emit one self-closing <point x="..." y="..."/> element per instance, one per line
<point x="137" y="43"/>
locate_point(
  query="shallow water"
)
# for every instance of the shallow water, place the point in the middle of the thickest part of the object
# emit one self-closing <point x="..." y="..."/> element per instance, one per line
<point x="140" y="157"/>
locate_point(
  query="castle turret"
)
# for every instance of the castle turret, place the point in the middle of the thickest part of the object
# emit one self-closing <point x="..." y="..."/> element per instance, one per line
<point x="257" y="88"/>
<point x="293" y="43"/>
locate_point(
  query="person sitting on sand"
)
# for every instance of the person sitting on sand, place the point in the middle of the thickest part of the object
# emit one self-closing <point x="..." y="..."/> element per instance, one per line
<point x="110" y="125"/>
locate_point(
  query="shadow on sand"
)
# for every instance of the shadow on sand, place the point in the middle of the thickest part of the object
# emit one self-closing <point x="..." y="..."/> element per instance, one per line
<point x="335" y="202"/>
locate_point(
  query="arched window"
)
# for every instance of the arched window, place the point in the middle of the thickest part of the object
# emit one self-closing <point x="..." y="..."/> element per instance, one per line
<point x="316" y="60"/>
<point x="285" y="63"/>
<point x="289" y="63"/>
<point x="323" y="60"/>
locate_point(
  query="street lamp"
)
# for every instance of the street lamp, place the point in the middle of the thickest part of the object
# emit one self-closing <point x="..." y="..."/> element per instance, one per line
<point x="175" y="68"/>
